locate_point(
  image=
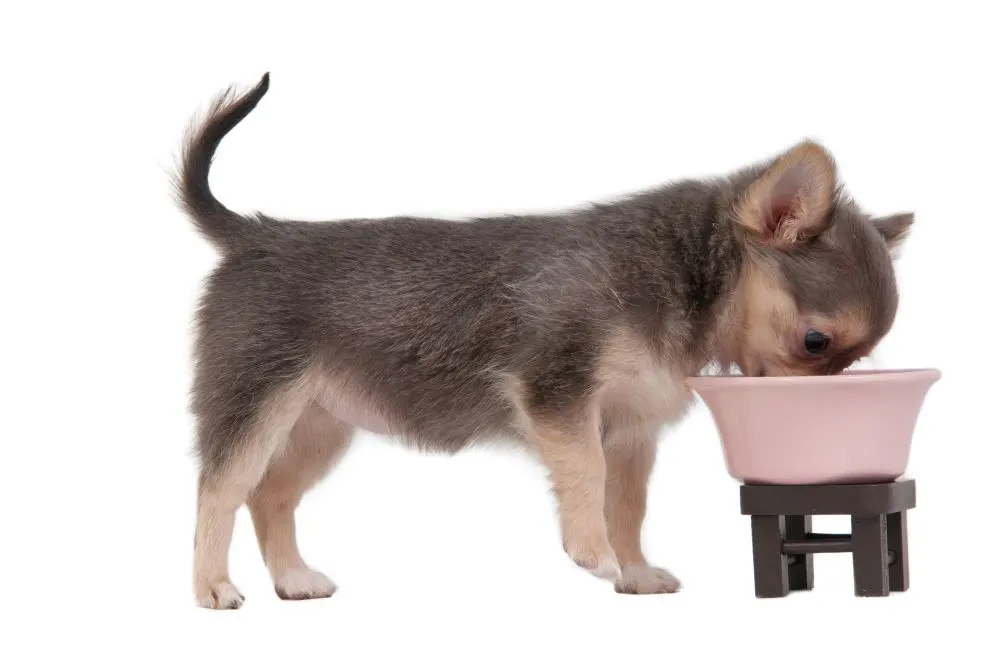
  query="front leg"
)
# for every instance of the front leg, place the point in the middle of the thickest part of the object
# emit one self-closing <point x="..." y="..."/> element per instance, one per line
<point x="572" y="454"/>
<point x="629" y="463"/>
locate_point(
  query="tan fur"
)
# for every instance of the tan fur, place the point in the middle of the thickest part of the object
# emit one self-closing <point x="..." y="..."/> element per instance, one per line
<point x="640" y="391"/>
<point x="576" y="466"/>
<point x="766" y="323"/>
<point x="768" y="317"/>
<point x="639" y="394"/>
<point x="852" y="330"/>
<point x="316" y="444"/>
<point x="220" y="495"/>
<point x="338" y="395"/>
<point x="807" y="174"/>
<point x="629" y="466"/>
<point x="569" y="446"/>
<point x="601" y="482"/>
<point x="573" y="332"/>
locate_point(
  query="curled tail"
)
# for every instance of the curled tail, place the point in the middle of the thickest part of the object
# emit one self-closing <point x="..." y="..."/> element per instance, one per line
<point x="226" y="229"/>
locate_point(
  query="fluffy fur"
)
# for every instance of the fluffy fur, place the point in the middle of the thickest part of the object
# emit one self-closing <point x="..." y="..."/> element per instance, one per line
<point x="569" y="333"/>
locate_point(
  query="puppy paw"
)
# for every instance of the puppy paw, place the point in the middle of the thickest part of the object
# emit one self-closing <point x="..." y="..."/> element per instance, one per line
<point x="303" y="583"/>
<point x="646" y="580"/>
<point x="598" y="559"/>
<point x="221" y="595"/>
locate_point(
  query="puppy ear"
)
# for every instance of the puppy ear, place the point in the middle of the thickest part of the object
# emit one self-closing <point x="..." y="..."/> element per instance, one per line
<point x="894" y="229"/>
<point x="790" y="201"/>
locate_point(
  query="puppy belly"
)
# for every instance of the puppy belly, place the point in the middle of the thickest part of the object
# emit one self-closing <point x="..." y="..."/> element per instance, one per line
<point x="439" y="424"/>
<point x="354" y="411"/>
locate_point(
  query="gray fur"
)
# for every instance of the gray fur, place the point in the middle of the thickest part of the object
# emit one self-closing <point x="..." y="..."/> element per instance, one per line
<point x="424" y="315"/>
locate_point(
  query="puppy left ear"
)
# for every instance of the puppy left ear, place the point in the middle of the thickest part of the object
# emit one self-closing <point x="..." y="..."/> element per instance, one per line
<point x="791" y="200"/>
<point x="894" y="229"/>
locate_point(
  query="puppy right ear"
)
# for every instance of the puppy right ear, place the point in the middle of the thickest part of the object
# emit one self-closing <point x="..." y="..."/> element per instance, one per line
<point x="789" y="203"/>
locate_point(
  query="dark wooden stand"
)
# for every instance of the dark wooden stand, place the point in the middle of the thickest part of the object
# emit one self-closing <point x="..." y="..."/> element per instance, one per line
<point x="784" y="544"/>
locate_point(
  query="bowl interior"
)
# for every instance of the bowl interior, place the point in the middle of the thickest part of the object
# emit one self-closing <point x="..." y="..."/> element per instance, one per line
<point x="867" y="376"/>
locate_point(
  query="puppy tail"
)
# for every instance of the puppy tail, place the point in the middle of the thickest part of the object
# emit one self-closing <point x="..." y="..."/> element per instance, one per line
<point x="228" y="231"/>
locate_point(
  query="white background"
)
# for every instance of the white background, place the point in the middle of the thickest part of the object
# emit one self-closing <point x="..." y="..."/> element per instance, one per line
<point x="452" y="110"/>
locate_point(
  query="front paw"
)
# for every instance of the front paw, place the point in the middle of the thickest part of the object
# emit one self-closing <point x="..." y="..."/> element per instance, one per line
<point x="646" y="580"/>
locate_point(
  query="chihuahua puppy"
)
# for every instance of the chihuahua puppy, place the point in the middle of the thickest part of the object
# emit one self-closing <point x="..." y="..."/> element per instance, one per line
<point x="570" y="333"/>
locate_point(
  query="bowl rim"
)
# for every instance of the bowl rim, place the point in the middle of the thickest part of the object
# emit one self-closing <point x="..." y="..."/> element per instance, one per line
<point x="908" y="375"/>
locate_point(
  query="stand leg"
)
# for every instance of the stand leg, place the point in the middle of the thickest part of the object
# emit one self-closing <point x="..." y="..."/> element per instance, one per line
<point x="899" y="573"/>
<point x="770" y="566"/>
<point x="869" y="543"/>
<point x="800" y="566"/>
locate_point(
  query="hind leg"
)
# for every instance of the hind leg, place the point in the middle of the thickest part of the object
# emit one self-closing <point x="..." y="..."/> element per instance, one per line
<point x="228" y="478"/>
<point x="316" y="444"/>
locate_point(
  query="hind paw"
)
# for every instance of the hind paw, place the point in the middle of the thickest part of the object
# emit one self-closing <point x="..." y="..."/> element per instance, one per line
<point x="221" y="595"/>
<point x="303" y="583"/>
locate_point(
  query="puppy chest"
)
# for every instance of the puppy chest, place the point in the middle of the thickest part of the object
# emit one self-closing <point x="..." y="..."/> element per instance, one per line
<point x="648" y="391"/>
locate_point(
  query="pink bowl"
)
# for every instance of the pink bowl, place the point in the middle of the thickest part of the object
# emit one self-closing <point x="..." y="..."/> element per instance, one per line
<point x="854" y="427"/>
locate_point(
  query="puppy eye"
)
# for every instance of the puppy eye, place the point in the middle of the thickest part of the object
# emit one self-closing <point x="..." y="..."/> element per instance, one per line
<point x="816" y="342"/>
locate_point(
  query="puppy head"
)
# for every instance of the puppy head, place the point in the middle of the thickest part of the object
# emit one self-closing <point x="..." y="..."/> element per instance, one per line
<point x="818" y="288"/>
